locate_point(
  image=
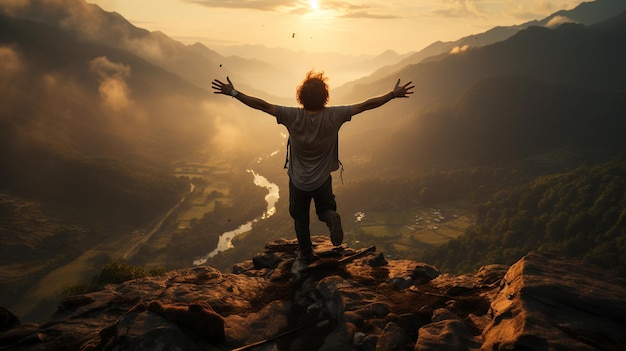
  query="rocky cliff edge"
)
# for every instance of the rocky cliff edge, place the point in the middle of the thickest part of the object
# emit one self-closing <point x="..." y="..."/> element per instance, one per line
<point x="347" y="300"/>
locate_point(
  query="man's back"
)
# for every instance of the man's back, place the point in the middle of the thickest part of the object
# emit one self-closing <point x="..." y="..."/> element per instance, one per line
<point x="314" y="142"/>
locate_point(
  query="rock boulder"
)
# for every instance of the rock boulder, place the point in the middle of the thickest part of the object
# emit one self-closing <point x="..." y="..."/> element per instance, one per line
<point x="347" y="300"/>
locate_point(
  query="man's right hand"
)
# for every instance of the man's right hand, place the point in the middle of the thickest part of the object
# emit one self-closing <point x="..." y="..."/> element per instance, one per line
<point x="223" y="88"/>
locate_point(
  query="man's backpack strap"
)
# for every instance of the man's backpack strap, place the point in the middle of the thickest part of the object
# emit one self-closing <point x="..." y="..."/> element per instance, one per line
<point x="287" y="154"/>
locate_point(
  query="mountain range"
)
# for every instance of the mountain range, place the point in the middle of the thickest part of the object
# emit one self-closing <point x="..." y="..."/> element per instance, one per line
<point x="95" y="113"/>
<point x="493" y="90"/>
<point x="586" y="13"/>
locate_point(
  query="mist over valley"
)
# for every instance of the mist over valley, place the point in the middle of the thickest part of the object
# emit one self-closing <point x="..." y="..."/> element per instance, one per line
<point x="113" y="148"/>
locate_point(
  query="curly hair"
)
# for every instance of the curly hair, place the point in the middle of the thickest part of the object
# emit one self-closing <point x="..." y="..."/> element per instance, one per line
<point x="312" y="93"/>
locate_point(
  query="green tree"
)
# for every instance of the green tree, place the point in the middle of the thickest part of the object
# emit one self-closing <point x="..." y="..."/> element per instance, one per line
<point x="580" y="213"/>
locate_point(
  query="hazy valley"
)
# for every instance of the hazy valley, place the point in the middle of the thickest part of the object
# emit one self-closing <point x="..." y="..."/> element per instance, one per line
<point x="109" y="136"/>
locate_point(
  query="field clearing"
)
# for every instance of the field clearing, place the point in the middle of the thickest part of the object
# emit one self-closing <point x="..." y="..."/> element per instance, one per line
<point x="221" y="190"/>
<point x="380" y="231"/>
<point x="205" y="201"/>
<point x="17" y="273"/>
<point x="54" y="282"/>
<point x="211" y="172"/>
<point x="410" y="231"/>
<point x="431" y="237"/>
<point x="195" y="212"/>
<point x="403" y="248"/>
<point x="161" y="240"/>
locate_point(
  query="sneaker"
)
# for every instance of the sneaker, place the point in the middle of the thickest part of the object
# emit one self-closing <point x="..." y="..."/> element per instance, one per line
<point x="307" y="257"/>
<point x="334" y="224"/>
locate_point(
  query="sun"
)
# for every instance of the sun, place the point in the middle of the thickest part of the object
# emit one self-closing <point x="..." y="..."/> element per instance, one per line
<point x="314" y="5"/>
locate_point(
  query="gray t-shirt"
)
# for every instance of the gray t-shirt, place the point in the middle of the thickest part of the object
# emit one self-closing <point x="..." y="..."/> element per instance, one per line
<point x="314" y="138"/>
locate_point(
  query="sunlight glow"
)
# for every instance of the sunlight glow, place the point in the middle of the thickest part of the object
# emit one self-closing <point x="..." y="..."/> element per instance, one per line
<point x="355" y="27"/>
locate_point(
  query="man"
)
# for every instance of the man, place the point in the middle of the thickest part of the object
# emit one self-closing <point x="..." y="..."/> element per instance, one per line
<point x="313" y="137"/>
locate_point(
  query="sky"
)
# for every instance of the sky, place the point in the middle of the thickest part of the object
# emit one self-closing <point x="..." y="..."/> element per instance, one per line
<point x="367" y="27"/>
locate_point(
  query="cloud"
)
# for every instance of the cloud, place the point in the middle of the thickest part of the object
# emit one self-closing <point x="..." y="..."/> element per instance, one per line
<point x="341" y="9"/>
<point x="50" y="81"/>
<point x="557" y="21"/>
<point x="11" y="6"/>
<point x="366" y="14"/>
<point x="149" y="48"/>
<point x="459" y="49"/>
<point x="10" y="63"/>
<point x="79" y="17"/>
<point x="351" y="10"/>
<point x="261" y="5"/>
<point x="459" y="8"/>
<point x="113" y="88"/>
<point x="534" y="9"/>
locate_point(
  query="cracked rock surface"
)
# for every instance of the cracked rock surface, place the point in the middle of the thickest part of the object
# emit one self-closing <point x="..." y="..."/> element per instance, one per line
<point x="341" y="302"/>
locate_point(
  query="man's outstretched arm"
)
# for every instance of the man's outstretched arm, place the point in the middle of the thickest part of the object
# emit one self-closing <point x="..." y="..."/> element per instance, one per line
<point x="399" y="91"/>
<point x="251" y="101"/>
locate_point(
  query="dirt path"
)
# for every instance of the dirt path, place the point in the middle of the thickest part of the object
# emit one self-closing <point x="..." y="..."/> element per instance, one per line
<point x="133" y="249"/>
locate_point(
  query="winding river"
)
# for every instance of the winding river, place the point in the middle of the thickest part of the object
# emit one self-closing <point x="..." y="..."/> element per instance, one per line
<point x="225" y="240"/>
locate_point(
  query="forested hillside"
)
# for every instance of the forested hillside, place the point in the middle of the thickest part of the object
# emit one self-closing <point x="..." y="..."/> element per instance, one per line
<point x="580" y="213"/>
<point x="510" y="118"/>
<point x="540" y="90"/>
<point x="89" y="126"/>
<point x="87" y="136"/>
